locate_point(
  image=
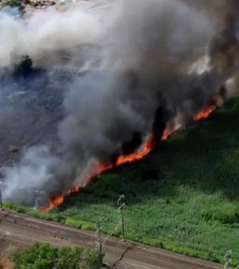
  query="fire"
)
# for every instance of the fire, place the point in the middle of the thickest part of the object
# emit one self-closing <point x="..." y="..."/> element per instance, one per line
<point x="54" y="201"/>
<point x="147" y="148"/>
<point x="205" y="114"/>
<point x="170" y="131"/>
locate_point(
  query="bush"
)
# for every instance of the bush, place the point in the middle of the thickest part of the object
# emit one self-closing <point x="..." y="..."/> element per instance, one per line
<point x="13" y="3"/>
<point x="80" y="224"/>
<point x="44" y="256"/>
<point x="226" y="214"/>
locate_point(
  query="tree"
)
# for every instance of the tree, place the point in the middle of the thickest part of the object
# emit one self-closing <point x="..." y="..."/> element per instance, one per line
<point x="14" y="4"/>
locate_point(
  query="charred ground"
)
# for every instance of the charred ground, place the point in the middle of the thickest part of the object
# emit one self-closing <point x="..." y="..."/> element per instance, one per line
<point x="31" y="107"/>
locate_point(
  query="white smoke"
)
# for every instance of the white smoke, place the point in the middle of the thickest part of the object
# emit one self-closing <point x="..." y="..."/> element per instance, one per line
<point x="46" y="32"/>
<point x="31" y="173"/>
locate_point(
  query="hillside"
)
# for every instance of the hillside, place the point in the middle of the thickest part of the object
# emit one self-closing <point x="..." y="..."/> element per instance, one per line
<point x="90" y="86"/>
<point x="183" y="196"/>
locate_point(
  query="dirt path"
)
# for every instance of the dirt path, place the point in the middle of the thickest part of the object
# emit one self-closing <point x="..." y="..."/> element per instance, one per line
<point x="20" y="230"/>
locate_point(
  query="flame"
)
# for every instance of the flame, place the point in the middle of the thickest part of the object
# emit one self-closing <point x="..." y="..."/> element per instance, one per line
<point x="54" y="202"/>
<point x="170" y="131"/>
<point x="122" y="159"/>
<point x="205" y="114"/>
<point x="148" y="146"/>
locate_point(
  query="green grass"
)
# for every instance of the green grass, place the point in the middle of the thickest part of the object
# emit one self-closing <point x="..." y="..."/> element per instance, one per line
<point x="183" y="197"/>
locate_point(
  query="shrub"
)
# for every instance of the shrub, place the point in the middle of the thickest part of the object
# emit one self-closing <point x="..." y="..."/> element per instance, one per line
<point x="80" y="224"/>
<point x="227" y="213"/>
<point x="15" y="4"/>
<point x="44" y="256"/>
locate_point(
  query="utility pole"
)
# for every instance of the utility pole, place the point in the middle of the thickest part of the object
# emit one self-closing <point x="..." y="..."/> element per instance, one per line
<point x="99" y="232"/>
<point x="1" y="202"/>
<point x="228" y="259"/>
<point x="121" y="206"/>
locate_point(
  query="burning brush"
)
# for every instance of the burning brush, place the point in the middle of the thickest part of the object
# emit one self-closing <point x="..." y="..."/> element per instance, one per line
<point x="149" y="145"/>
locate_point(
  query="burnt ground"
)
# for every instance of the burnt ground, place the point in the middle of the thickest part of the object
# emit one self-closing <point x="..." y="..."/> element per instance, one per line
<point x="30" y="108"/>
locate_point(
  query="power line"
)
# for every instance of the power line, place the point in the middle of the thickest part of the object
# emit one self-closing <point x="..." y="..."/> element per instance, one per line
<point x="1" y="202"/>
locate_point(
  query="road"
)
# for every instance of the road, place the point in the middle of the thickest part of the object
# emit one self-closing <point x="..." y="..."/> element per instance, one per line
<point x="19" y="230"/>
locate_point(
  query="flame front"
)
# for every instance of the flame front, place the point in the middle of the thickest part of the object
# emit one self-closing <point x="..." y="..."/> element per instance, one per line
<point x="54" y="201"/>
<point x="148" y="146"/>
<point x="205" y="114"/>
<point x="122" y="159"/>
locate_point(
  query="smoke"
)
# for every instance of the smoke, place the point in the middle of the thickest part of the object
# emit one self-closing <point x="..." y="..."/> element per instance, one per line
<point x="30" y="174"/>
<point x="143" y="85"/>
<point x="145" y="31"/>
<point x="146" y="67"/>
<point x="224" y="51"/>
<point x="44" y="34"/>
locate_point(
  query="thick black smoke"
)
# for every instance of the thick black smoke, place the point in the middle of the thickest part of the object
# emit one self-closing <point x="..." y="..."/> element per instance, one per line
<point x="224" y="48"/>
<point x="152" y="71"/>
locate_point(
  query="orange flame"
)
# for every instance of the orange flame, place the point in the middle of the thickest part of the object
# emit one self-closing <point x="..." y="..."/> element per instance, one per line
<point x="54" y="201"/>
<point x="138" y="155"/>
<point x="147" y="148"/>
<point x="205" y="114"/>
<point x="170" y="131"/>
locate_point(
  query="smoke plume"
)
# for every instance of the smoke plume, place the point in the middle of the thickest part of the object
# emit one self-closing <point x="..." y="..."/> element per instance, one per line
<point x="44" y="34"/>
<point x="145" y="67"/>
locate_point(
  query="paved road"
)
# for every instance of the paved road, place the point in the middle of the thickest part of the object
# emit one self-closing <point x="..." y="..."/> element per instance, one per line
<point x="18" y="229"/>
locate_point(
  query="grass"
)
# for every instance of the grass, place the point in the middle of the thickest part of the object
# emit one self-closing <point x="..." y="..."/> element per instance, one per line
<point x="183" y="197"/>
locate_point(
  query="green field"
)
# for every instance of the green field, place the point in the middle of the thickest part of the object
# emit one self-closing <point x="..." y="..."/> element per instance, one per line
<point x="183" y="197"/>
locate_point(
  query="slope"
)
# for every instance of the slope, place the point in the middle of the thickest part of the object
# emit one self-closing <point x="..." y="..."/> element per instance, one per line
<point x="183" y="196"/>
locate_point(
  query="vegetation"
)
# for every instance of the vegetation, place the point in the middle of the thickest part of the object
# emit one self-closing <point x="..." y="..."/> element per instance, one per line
<point x="76" y="223"/>
<point x="44" y="256"/>
<point x="183" y="197"/>
<point x="15" y="4"/>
